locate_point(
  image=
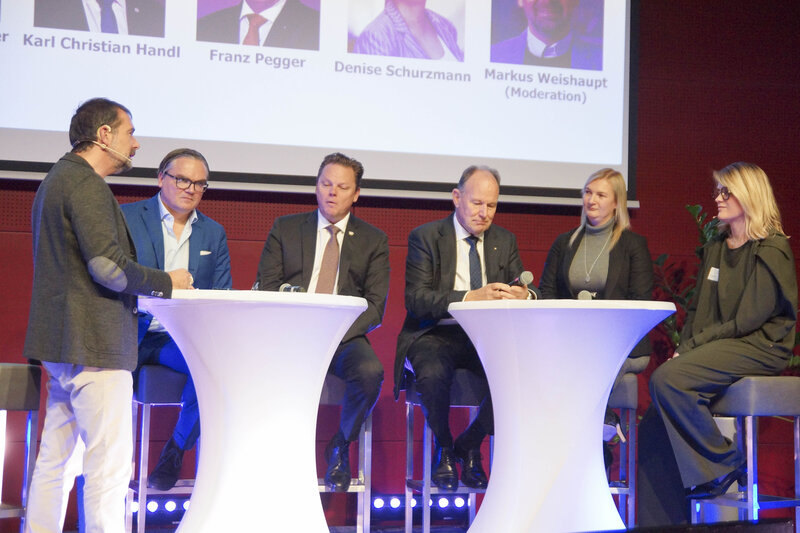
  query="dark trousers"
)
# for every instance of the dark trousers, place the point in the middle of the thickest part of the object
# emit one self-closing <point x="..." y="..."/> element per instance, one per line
<point x="158" y="348"/>
<point x="682" y="389"/>
<point x="355" y="362"/>
<point x="434" y="357"/>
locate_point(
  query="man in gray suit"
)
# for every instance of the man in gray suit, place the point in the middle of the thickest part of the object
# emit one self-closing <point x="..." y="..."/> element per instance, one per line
<point x="83" y="321"/>
<point x="460" y="258"/>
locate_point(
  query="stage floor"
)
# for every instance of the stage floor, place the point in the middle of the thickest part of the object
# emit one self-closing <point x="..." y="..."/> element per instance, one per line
<point x="340" y="529"/>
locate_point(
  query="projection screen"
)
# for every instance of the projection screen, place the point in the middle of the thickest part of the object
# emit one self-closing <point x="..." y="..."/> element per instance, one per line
<point x="417" y="90"/>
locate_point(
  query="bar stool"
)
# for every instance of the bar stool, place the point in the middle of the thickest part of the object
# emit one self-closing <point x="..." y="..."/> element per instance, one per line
<point x="333" y="392"/>
<point x="467" y="391"/>
<point x="154" y="386"/>
<point x="748" y="398"/>
<point x="20" y="390"/>
<point x="625" y="397"/>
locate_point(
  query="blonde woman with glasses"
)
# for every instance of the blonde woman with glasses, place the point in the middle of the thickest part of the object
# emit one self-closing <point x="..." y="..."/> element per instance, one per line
<point x="741" y="323"/>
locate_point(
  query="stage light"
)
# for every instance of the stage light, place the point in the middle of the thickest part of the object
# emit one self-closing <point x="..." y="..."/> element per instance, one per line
<point x="169" y="506"/>
<point x="152" y="506"/>
<point x="389" y="507"/>
<point x="134" y="507"/>
<point x="186" y="505"/>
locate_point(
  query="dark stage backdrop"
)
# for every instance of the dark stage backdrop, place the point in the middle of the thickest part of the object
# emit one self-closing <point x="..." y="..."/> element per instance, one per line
<point x="718" y="82"/>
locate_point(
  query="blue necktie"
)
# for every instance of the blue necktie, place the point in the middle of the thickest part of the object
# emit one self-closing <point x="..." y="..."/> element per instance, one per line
<point x="475" y="276"/>
<point x="108" y="22"/>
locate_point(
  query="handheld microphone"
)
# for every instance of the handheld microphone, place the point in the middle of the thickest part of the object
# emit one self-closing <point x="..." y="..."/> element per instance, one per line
<point x="525" y="278"/>
<point x="586" y="295"/>
<point x="288" y="287"/>
<point x="127" y="159"/>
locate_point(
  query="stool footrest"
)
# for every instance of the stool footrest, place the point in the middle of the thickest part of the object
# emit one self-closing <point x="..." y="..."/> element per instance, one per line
<point x="11" y="511"/>
<point x="416" y="485"/>
<point x="182" y="486"/>
<point x="739" y="499"/>
<point x="353" y="488"/>
<point x="619" y="487"/>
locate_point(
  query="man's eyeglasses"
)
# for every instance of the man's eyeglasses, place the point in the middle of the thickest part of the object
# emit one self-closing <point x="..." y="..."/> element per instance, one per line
<point x="722" y="191"/>
<point x="184" y="183"/>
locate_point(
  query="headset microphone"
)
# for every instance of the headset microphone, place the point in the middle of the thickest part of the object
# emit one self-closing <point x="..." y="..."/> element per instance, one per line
<point x="107" y="147"/>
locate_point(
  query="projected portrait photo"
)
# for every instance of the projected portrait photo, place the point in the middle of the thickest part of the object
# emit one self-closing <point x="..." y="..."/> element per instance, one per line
<point x="277" y="23"/>
<point x="551" y="33"/>
<point x="133" y="17"/>
<point x="421" y="29"/>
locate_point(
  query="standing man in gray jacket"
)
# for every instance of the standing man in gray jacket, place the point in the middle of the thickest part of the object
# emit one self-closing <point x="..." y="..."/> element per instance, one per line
<point x="83" y="320"/>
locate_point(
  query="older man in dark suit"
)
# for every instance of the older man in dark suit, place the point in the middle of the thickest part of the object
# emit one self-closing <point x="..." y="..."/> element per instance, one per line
<point x="278" y="23"/>
<point x="331" y="251"/>
<point x="460" y="258"/>
<point x="82" y="323"/>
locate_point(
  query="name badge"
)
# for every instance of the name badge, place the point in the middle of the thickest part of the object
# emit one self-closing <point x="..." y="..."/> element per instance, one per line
<point x="713" y="274"/>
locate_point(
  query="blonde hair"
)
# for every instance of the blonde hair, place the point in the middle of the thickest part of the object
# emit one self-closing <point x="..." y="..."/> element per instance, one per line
<point x="750" y="185"/>
<point x="622" y="220"/>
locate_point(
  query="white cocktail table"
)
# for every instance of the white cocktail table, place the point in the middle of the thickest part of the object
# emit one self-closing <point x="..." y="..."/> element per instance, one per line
<point x="550" y="366"/>
<point x="258" y="360"/>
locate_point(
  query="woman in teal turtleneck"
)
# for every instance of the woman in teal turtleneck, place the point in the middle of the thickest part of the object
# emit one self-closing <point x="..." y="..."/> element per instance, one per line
<point x="603" y="259"/>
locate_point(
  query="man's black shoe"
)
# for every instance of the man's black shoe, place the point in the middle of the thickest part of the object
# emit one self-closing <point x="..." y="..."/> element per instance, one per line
<point x="472" y="473"/>
<point x="337" y="454"/>
<point x="718" y="487"/>
<point x="608" y="458"/>
<point x="166" y="472"/>
<point x="444" y="474"/>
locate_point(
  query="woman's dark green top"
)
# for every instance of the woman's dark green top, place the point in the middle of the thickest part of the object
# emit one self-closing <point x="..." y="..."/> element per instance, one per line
<point x="748" y="293"/>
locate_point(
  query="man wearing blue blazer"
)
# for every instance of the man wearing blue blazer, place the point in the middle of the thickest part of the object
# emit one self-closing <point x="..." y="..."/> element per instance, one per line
<point x="167" y="231"/>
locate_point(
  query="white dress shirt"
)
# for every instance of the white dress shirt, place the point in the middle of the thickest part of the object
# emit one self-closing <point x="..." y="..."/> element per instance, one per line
<point x="462" y="282"/>
<point x="176" y="249"/>
<point x="541" y="49"/>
